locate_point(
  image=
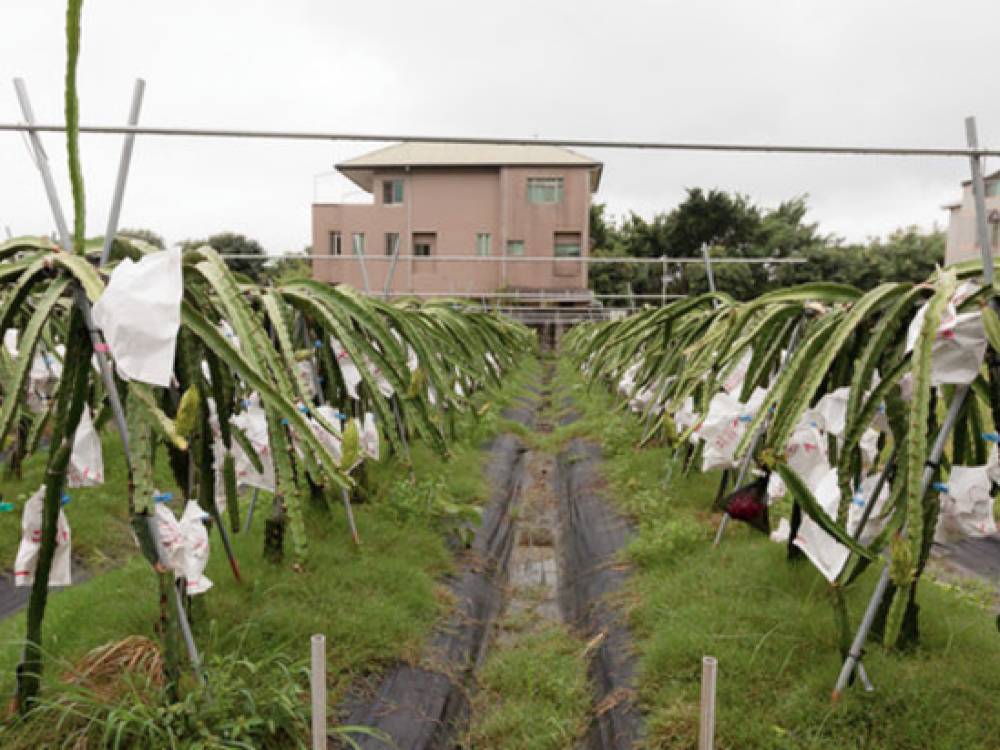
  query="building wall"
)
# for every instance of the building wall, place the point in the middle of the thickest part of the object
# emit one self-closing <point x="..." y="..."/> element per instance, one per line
<point x="537" y="223"/>
<point x="962" y="243"/>
<point x="457" y="205"/>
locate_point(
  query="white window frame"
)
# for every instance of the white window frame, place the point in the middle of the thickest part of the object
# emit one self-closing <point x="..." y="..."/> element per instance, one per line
<point x="559" y="241"/>
<point x="424" y="239"/>
<point x="394" y="187"/>
<point x="336" y="243"/>
<point x="512" y="244"/>
<point x="358" y="243"/>
<point x="483" y="244"/>
<point x="391" y="243"/>
<point x="545" y="190"/>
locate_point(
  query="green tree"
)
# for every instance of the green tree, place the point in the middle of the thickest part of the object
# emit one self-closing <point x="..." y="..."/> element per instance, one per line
<point x="146" y="235"/>
<point x="231" y="243"/>
<point x="291" y="266"/>
<point x="605" y="239"/>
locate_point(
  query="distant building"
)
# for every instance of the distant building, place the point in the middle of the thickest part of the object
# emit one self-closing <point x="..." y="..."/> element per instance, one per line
<point x="962" y="241"/>
<point x="435" y="201"/>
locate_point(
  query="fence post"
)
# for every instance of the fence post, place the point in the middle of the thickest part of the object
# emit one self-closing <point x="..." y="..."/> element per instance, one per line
<point x="708" y="267"/>
<point x="706" y="727"/>
<point x="317" y="687"/>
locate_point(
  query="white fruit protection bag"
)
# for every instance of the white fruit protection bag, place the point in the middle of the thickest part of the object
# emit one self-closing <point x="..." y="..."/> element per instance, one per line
<point x="966" y="505"/>
<point x="330" y="440"/>
<point x="140" y="315"/>
<point x="724" y="425"/>
<point x="31" y="545"/>
<point x="43" y="377"/>
<point x="877" y="521"/>
<point x="86" y="462"/>
<point x="832" y="411"/>
<point x="807" y="456"/>
<point x="381" y="382"/>
<point x="686" y="417"/>
<point x="825" y="552"/>
<point x="186" y="543"/>
<point x="253" y="424"/>
<point x="958" y="350"/>
<point x="734" y="380"/>
<point x="348" y="370"/>
<point x="369" y="437"/>
<point x="627" y="383"/>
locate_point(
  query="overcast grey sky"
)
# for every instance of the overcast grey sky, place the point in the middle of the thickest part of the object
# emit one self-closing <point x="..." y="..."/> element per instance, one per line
<point x="871" y="72"/>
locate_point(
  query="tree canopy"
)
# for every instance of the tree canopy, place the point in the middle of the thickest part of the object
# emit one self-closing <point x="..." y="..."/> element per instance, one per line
<point x="731" y="225"/>
<point x="231" y="243"/>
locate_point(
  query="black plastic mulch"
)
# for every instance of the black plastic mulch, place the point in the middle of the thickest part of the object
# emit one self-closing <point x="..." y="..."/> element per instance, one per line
<point x="593" y="535"/>
<point x="421" y="706"/>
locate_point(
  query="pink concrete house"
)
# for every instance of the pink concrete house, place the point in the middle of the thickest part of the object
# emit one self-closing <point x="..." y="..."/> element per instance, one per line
<point x="962" y="243"/>
<point x="463" y="218"/>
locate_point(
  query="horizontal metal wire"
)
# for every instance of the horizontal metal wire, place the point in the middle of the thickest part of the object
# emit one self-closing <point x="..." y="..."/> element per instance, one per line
<point x="552" y="296"/>
<point x="590" y="259"/>
<point x="497" y="140"/>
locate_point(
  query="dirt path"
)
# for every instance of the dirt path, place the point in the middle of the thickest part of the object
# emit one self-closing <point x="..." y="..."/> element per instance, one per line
<point x="539" y="581"/>
<point x="532" y="600"/>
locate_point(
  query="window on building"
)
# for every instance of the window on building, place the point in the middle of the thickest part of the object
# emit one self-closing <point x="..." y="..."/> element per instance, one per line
<point x="423" y="244"/>
<point x="993" y="188"/>
<point x="567" y="244"/>
<point x="515" y="247"/>
<point x="545" y="189"/>
<point x="392" y="192"/>
<point x="335" y="247"/>
<point x="482" y="244"/>
<point x="358" y="243"/>
<point x="391" y="243"/>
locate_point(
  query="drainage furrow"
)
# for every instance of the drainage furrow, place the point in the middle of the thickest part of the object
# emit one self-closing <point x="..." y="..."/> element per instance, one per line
<point x="532" y="599"/>
<point x="593" y="537"/>
<point x="424" y="706"/>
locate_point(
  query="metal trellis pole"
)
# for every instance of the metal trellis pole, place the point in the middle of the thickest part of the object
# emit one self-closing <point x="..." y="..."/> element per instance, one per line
<point x="123" y="169"/>
<point x="958" y="400"/>
<point x="81" y="301"/>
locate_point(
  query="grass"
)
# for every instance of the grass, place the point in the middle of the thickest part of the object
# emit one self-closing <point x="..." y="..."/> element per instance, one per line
<point x="98" y="516"/>
<point x="375" y="604"/>
<point x="533" y="695"/>
<point x="770" y="624"/>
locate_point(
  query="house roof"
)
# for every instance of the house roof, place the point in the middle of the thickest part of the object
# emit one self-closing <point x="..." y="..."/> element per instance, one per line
<point x="361" y="169"/>
<point x="986" y="178"/>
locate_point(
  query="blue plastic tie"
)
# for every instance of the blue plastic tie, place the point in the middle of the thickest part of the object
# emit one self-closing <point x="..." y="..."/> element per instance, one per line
<point x="991" y="437"/>
<point x="746" y="417"/>
<point x="940" y="486"/>
<point x="284" y="421"/>
<point x="303" y="408"/>
<point x="163" y="497"/>
<point x="318" y="344"/>
<point x="6" y="507"/>
<point x="64" y="500"/>
<point x="859" y="500"/>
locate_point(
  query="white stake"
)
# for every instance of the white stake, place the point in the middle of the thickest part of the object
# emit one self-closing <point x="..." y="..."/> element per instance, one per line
<point x="706" y="728"/>
<point x="317" y="686"/>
